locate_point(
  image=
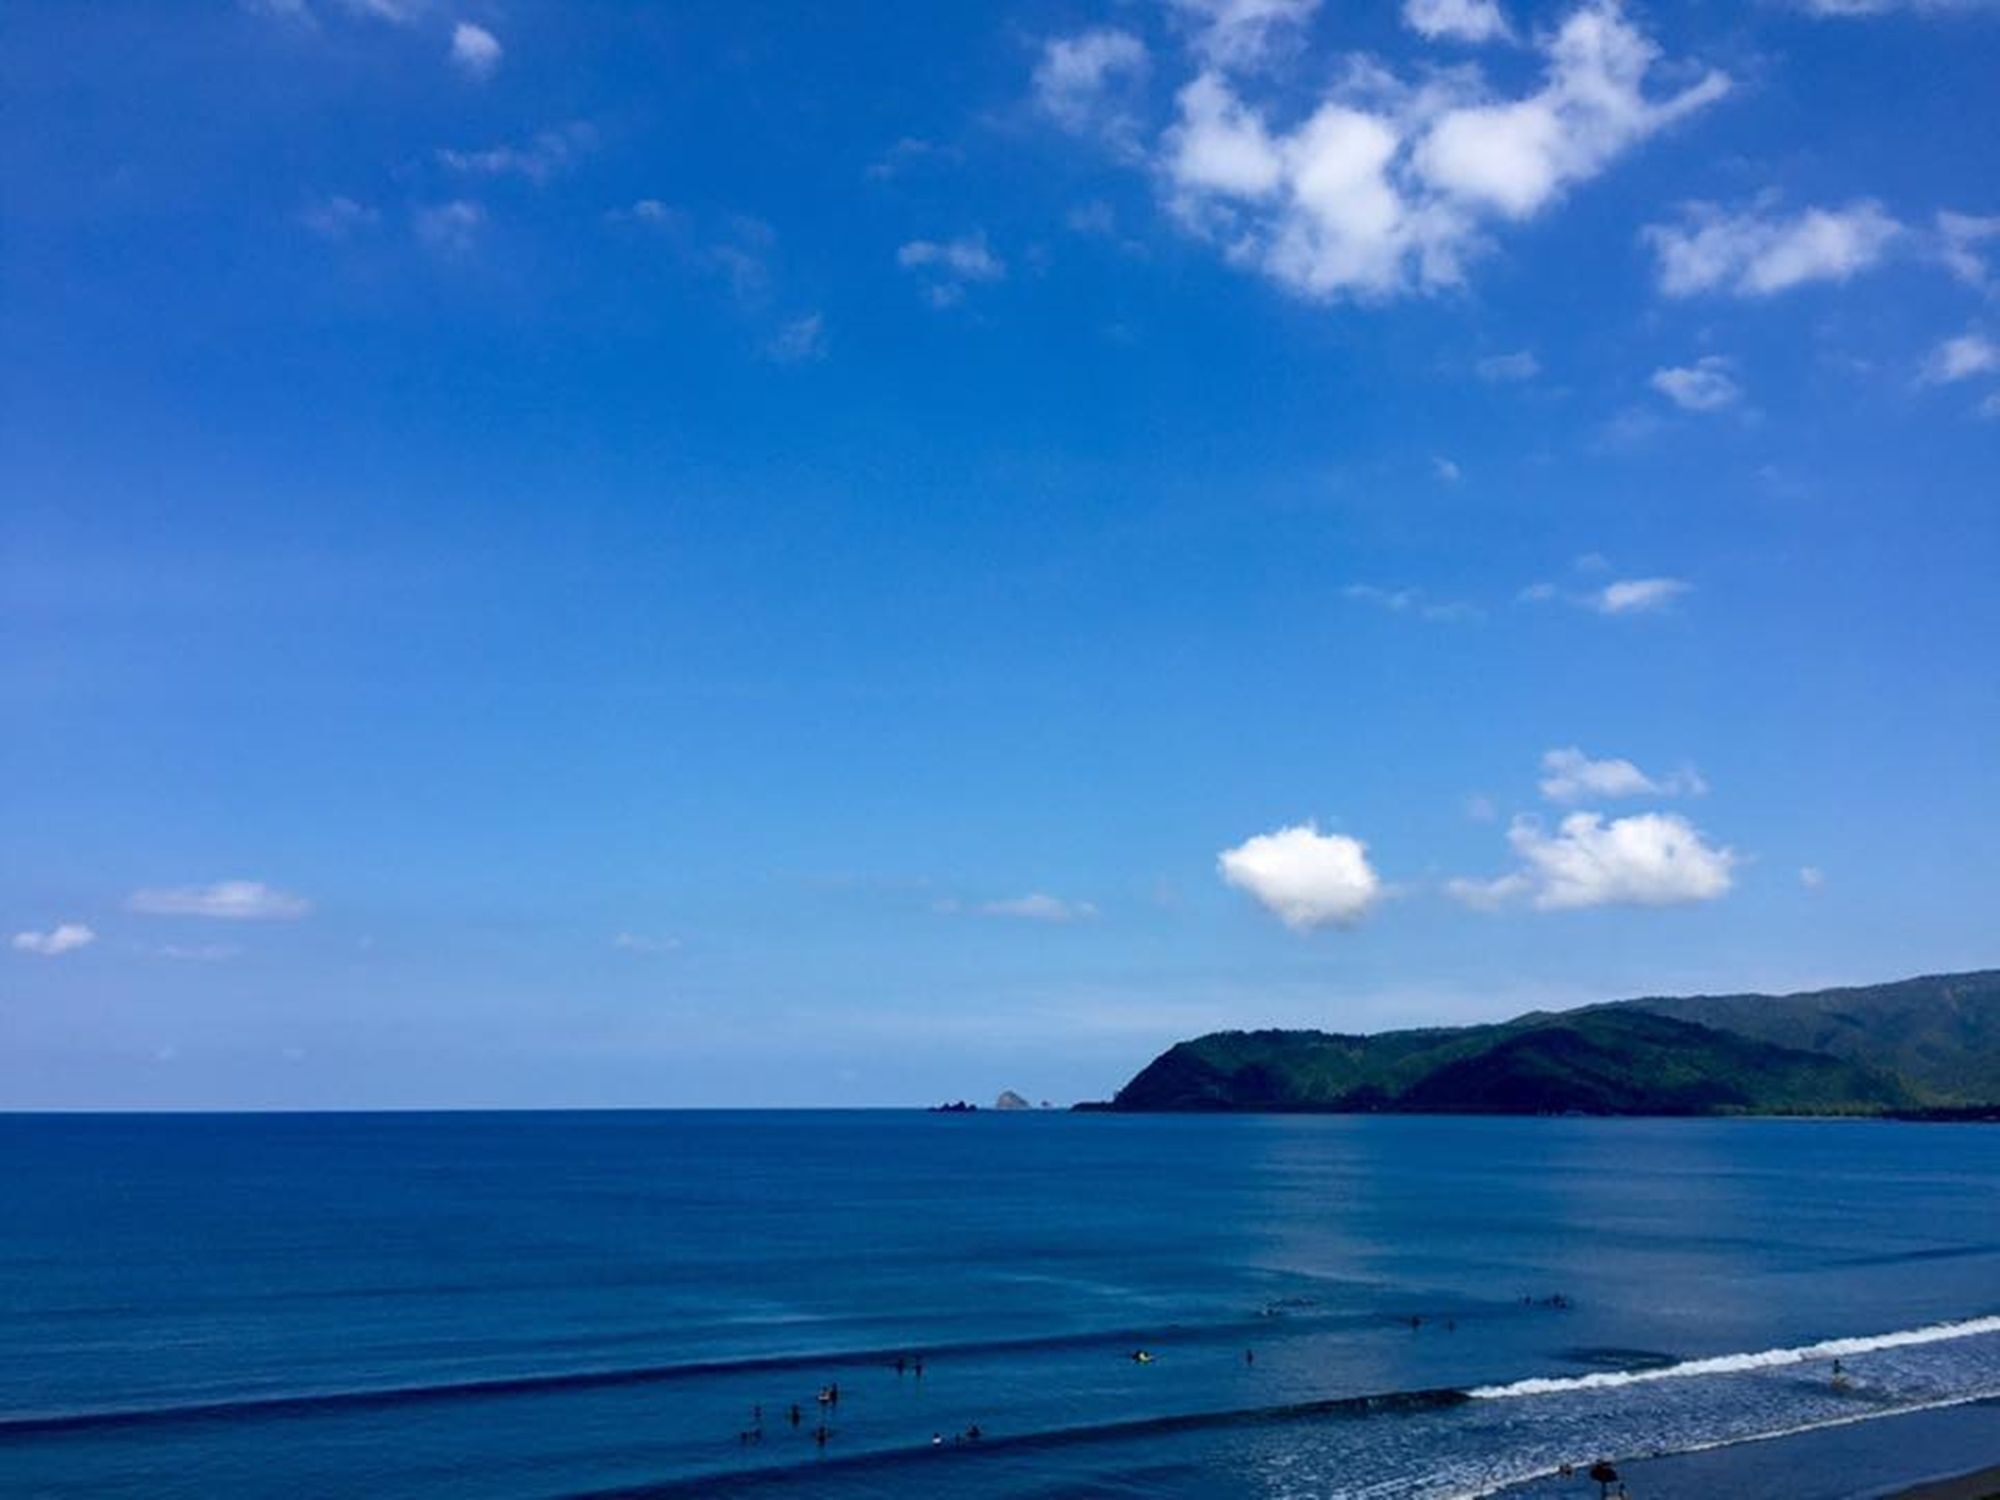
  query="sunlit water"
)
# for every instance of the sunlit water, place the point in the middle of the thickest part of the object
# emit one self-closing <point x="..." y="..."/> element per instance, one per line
<point x="556" y="1305"/>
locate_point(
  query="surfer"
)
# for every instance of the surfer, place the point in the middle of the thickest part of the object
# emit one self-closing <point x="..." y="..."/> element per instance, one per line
<point x="794" y="1414"/>
<point x="1142" y="1356"/>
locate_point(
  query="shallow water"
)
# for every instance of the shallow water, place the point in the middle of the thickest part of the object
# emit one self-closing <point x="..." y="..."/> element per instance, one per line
<point x="548" y="1305"/>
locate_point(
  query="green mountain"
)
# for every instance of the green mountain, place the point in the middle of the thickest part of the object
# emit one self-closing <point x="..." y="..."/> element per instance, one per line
<point x="1921" y="1043"/>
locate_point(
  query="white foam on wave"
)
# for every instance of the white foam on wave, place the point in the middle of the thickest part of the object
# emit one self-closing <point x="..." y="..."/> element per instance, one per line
<point x="1730" y="1364"/>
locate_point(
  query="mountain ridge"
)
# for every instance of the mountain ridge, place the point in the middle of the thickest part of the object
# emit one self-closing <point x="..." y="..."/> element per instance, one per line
<point x="1925" y="1044"/>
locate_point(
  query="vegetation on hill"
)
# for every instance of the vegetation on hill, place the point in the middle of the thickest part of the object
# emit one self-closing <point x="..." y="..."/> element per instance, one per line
<point x="1919" y="1044"/>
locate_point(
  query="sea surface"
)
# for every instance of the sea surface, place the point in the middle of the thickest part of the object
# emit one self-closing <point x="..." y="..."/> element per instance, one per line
<point x="518" y="1306"/>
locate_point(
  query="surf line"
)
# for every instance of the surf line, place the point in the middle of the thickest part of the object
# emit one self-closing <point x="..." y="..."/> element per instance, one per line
<point x="1848" y="1419"/>
<point x="1729" y="1364"/>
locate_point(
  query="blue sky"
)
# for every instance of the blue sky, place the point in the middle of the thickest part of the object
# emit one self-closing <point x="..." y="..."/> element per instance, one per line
<point x="752" y="554"/>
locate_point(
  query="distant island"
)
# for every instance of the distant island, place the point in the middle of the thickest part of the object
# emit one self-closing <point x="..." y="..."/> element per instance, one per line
<point x="1922" y="1048"/>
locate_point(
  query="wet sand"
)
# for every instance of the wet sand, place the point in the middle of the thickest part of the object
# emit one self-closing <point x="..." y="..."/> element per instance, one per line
<point x="1981" y="1485"/>
<point x="1945" y="1454"/>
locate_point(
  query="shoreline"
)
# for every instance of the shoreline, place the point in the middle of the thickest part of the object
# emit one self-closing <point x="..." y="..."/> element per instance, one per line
<point x="1976" y="1484"/>
<point x="1946" y="1452"/>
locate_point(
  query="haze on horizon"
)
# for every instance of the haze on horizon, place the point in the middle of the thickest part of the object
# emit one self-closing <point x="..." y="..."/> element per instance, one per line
<point x="566" y="555"/>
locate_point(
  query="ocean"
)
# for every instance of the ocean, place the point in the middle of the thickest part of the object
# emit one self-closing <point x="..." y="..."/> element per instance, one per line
<point x="524" y="1306"/>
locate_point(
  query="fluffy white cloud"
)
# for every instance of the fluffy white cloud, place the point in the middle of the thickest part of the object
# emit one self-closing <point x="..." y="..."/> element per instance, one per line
<point x="1648" y="859"/>
<point x="1385" y="188"/>
<point x="1755" y="252"/>
<point x="1705" y="385"/>
<point x="1038" y="906"/>
<point x="950" y="264"/>
<point x="475" y="51"/>
<point x="1962" y="358"/>
<point x="1568" y="775"/>
<point x="1306" y="878"/>
<point x="1472" y="21"/>
<point x="1086" y="83"/>
<point x="65" y="937"/>
<point x="1521" y="365"/>
<point x="1516" y="156"/>
<point x="1243" y="33"/>
<point x="231" y="900"/>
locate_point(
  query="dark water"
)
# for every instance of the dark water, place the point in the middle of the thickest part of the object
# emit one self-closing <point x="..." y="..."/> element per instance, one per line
<point x="557" y="1305"/>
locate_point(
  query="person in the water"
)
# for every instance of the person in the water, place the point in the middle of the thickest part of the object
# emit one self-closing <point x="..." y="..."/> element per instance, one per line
<point x="1142" y="1356"/>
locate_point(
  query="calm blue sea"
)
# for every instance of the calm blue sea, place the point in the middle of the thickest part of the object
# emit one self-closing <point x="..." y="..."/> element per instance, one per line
<point x="541" y="1305"/>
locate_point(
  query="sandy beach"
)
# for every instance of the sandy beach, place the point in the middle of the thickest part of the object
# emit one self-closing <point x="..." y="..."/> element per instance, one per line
<point x="1947" y="1453"/>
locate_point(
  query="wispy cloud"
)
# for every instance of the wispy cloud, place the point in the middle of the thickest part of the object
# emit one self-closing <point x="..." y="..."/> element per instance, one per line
<point x="1707" y="385"/>
<point x="65" y="937"/>
<point x="1520" y="365"/>
<point x="1758" y="251"/>
<point x="228" y="900"/>
<point x="1413" y="602"/>
<point x="538" y="159"/>
<point x="1568" y="775"/>
<point x="1036" y="906"/>
<point x="947" y="266"/>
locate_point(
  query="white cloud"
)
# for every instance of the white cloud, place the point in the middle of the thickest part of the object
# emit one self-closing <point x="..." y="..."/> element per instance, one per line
<point x="1846" y="8"/>
<point x="1647" y="859"/>
<point x="1756" y="253"/>
<point x="1038" y="906"/>
<point x="1812" y="877"/>
<point x="1087" y="83"/>
<point x="1446" y="470"/>
<point x="65" y="937"/>
<point x="1244" y="33"/>
<point x="450" y="228"/>
<point x="1521" y="365"/>
<point x="475" y="51"/>
<point x="338" y="218"/>
<point x="1472" y="21"/>
<point x="1961" y="358"/>
<point x="541" y="158"/>
<point x="1516" y="156"/>
<point x="199" y="953"/>
<point x="232" y="900"/>
<point x="1568" y="775"/>
<point x="1384" y="188"/>
<point x="1705" y="385"/>
<point x="949" y="265"/>
<point x="1306" y="878"/>
<point x="1959" y="237"/>
<point x="799" y="341"/>
<point x="1413" y="602"/>
<point x="635" y="942"/>
<point x="1632" y="596"/>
